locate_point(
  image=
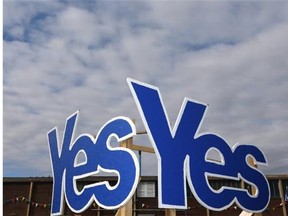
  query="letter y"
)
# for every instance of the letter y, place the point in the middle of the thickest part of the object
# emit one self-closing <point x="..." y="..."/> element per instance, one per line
<point x="171" y="145"/>
<point x="58" y="158"/>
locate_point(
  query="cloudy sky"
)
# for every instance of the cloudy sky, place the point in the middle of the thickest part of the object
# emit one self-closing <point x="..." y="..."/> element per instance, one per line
<point x="60" y="57"/>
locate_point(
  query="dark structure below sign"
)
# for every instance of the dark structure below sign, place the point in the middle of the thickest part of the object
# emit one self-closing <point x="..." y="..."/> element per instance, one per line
<point x="32" y="197"/>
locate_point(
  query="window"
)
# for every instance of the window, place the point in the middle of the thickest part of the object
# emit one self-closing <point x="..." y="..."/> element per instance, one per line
<point x="146" y="189"/>
<point x="285" y="189"/>
<point x="274" y="188"/>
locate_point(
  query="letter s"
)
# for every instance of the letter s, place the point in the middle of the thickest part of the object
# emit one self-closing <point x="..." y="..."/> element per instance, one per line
<point x="259" y="201"/>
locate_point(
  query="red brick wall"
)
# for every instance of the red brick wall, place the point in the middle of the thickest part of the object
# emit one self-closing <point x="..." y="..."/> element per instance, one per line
<point x="12" y="197"/>
<point x="42" y="192"/>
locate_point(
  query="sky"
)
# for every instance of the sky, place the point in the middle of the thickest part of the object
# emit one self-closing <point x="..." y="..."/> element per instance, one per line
<point x="64" y="56"/>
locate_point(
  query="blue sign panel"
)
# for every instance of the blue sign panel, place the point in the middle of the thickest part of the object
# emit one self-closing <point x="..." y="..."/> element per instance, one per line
<point x="182" y="154"/>
<point x="99" y="156"/>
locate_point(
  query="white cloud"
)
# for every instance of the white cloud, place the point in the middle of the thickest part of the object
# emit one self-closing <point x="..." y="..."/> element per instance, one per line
<point x="61" y="57"/>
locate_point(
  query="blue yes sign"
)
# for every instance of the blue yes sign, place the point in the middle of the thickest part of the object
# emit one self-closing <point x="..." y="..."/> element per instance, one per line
<point x="182" y="155"/>
<point x="99" y="157"/>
